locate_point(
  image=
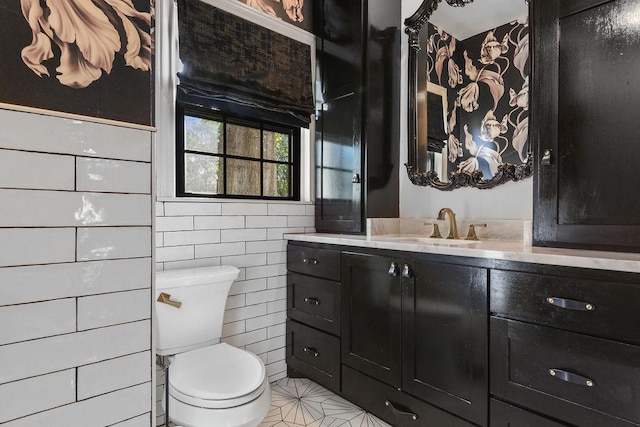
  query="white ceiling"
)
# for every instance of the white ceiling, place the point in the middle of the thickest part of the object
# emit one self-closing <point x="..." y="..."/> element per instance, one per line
<point x="477" y="17"/>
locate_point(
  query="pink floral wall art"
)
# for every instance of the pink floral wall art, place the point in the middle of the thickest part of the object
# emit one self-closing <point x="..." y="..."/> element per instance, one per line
<point x="86" y="57"/>
<point x="296" y="12"/>
<point x="487" y="78"/>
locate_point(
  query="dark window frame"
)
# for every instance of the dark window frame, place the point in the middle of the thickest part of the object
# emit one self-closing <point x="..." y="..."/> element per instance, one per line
<point x="254" y="121"/>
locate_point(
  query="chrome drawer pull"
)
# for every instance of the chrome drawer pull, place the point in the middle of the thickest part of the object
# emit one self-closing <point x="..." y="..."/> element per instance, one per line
<point x="311" y="351"/>
<point x="310" y="261"/>
<point x="570" y="377"/>
<point x="571" y="304"/>
<point x="312" y="301"/>
<point x="413" y="416"/>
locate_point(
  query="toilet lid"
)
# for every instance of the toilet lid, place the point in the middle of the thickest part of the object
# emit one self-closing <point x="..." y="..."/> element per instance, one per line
<point x="216" y="376"/>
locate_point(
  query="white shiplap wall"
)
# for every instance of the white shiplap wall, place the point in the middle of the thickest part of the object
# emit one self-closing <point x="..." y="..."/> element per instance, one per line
<point x="75" y="273"/>
<point x="200" y="233"/>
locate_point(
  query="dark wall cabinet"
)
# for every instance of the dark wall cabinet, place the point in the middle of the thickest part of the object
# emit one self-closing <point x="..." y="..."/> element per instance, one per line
<point x="357" y="114"/>
<point x="584" y="124"/>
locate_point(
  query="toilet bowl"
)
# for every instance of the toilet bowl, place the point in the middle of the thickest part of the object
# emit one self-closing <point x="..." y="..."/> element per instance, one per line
<point x="210" y="384"/>
<point x="219" y="386"/>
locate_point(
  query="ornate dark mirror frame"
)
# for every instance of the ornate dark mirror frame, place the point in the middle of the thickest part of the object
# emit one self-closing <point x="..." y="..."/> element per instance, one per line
<point x="417" y="91"/>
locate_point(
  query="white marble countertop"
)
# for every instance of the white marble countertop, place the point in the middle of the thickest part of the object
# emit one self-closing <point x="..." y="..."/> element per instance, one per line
<point x="490" y="249"/>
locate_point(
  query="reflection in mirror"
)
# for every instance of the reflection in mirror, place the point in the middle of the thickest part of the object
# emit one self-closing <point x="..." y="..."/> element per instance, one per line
<point x="434" y="152"/>
<point x="478" y="67"/>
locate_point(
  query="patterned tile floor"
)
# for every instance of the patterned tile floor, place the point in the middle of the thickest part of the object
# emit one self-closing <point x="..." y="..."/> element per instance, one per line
<point x="297" y="402"/>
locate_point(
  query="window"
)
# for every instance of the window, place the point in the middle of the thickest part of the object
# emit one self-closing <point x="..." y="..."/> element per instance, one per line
<point x="219" y="155"/>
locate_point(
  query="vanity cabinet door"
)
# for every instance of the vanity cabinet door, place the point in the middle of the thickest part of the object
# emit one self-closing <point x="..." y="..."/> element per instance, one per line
<point x="313" y="261"/>
<point x="505" y="415"/>
<point x="599" y="303"/>
<point x="576" y="378"/>
<point x="315" y="302"/>
<point x="584" y="124"/>
<point x="315" y="354"/>
<point x="371" y="315"/>
<point x="444" y="321"/>
<point x="394" y="406"/>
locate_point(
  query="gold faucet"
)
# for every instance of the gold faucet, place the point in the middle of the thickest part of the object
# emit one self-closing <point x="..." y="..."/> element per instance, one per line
<point x="453" y="227"/>
<point x="471" y="235"/>
<point x="436" y="231"/>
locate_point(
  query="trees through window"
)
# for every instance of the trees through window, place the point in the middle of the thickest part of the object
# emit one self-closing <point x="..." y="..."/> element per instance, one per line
<point x="222" y="156"/>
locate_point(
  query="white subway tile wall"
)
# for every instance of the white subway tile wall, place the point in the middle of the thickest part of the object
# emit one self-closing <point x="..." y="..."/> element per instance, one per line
<point x="248" y="236"/>
<point x="75" y="273"/>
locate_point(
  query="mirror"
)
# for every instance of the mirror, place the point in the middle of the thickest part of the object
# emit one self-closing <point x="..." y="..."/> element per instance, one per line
<point x="474" y="61"/>
<point x="433" y="154"/>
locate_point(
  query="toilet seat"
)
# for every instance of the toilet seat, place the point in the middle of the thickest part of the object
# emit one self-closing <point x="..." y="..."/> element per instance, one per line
<point x="216" y="377"/>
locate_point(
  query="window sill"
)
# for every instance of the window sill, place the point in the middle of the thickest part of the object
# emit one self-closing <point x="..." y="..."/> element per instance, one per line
<point x="229" y="200"/>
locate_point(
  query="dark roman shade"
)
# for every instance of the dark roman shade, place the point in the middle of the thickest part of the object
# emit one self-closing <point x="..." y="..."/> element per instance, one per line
<point x="236" y="65"/>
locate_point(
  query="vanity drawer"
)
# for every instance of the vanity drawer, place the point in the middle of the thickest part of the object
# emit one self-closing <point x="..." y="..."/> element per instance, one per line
<point x="315" y="302"/>
<point x="314" y="354"/>
<point x="575" y="378"/>
<point x="505" y="415"/>
<point x="392" y="405"/>
<point x="323" y="263"/>
<point x="596" y="307"/>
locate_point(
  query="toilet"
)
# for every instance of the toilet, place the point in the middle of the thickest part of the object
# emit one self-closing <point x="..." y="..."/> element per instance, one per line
<point x="210" y="384"/>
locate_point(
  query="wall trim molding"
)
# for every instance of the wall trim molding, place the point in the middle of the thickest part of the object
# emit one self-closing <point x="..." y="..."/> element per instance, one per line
<point x="71" y="116"/>
<point x="257" y="17"/>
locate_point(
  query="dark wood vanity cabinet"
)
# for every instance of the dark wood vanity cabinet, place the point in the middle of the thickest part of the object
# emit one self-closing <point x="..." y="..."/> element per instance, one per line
<point x="433" y="340"/>
<point x="313" y="311"/>
<point x="586" y="57"/>
<point x="564" y="343"/>
<point x="357" y="113"/>
<point x="419" y="327"/>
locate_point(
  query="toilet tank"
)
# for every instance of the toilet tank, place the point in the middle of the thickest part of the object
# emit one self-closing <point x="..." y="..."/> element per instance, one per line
<point x="202" y="293"/>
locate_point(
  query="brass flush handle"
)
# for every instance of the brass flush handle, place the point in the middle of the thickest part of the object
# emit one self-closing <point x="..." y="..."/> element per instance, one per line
<point x="166" y="299"/>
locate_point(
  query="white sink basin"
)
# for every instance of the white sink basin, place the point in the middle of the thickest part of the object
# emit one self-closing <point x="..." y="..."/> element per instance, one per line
<point x="424" y="240"/>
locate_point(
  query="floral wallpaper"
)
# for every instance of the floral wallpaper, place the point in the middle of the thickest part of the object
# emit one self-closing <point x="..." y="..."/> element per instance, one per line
<point x="296" y="12"/>
<point x="90" y="58"/>
<point x="487" y="78"/>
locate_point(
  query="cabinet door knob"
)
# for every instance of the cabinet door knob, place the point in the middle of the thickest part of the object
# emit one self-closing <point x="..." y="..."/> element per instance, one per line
<point x="570" y="304"/>
<point x="356" y="178"/>
<point x="570" y="377"/>
<point x="393" y="269"/>
<point x="546" y="157"/>
<point x="406" y="271"/>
